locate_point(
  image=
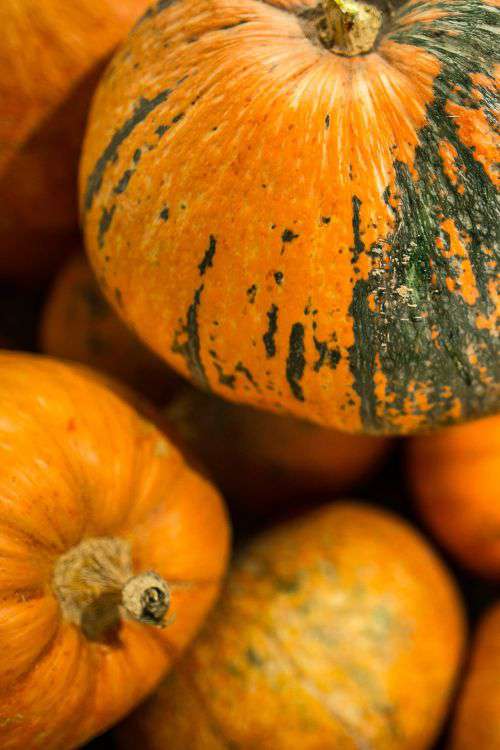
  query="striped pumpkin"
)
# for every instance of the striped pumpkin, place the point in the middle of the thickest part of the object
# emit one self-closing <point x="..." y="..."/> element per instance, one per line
<point x="294" y="203"/>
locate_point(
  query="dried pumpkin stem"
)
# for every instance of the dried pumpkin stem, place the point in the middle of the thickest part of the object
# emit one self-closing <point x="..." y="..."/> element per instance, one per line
<point x="96" y="586"/>
<point x="352" y="26"/>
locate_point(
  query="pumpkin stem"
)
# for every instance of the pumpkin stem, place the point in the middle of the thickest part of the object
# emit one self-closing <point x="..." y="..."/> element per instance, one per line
<point x="95" y="585"/>
<point x="349" y="27"/>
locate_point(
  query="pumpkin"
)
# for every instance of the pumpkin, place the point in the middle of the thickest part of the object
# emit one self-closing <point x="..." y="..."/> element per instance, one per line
<point x="295" y="203"/>
<point x="106" y="534"/>
<point x="455" y="475"/>
<point x="477" y="720"/>
<point x="51" y="56"/>
<point x="78" y="324"/>
<point x="340" y="629"/>
<point x="263" y="462"/>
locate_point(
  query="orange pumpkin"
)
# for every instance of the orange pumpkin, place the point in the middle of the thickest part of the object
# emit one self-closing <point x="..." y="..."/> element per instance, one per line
<point x="296" y="204"/>
<point x="103" y="529"/>
<point x="477" y="721"/>
<point x="337" y="630"/>
<point x="78" y="324"/>
<point x="262" y="462"/>
<point x="51" y="55"/>
<point x="456" y="480"/>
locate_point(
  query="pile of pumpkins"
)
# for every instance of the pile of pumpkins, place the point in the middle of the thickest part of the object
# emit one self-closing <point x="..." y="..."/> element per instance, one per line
<point x="293" y="207"/>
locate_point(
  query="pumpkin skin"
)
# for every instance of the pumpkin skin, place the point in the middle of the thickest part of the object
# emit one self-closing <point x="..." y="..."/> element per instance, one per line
<point x="263" y="462"/>
<point x="455" y="475"/>
<point x="299" y="230"/>
<point x="51" y="57"/>
<point x="477" y="722"/>
<point x="337" y="630"/>
<point x="79" y="463"/>
<point x="78" y="324"/>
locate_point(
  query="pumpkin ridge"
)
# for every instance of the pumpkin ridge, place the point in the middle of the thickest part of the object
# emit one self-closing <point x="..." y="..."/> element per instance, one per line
<point x="49" y="550"/>
<point x="123" y="525"/>
<point x="44" y="653"/>
<point x="18" y="593"/>
<point x="89" y="696"/>
<point x="79" y="657"/>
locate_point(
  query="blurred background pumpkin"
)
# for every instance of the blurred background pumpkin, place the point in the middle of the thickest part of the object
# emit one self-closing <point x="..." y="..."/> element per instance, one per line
<point x="51" y="56"/>
<point x="477" y="721"/>
<point x="455" y="474"/>
<point x="340" y="629"/>
<point x="266" y="464"/>
<point x="78" y="324"/>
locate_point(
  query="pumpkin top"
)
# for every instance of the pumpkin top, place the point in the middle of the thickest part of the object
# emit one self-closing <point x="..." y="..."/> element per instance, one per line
<point x="346" y="27"/>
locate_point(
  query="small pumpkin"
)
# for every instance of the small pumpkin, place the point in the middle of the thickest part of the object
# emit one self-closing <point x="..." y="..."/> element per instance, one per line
<point x="78" y="324"/>
<point x="103" y="529"/>
<point x="297" y="203"/>
<point x="455" y="475"/>
<point x="51" y="55"/>
<point x="337" y="630"/>
<point x="477" y="721"/>
<point x="262" y="462"/>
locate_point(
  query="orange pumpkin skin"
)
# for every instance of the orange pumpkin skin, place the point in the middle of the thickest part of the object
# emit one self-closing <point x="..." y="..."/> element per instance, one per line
<point x="78" y="464"/>
<point x="477" y="721"/>
<point x="78" y="324"/>
<point x="338" y="630"/>
<point x="263" y="461"/>
<point x="456" y="480"/>
<point x="300" y="230"/>
<point x="51" y="55"/>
